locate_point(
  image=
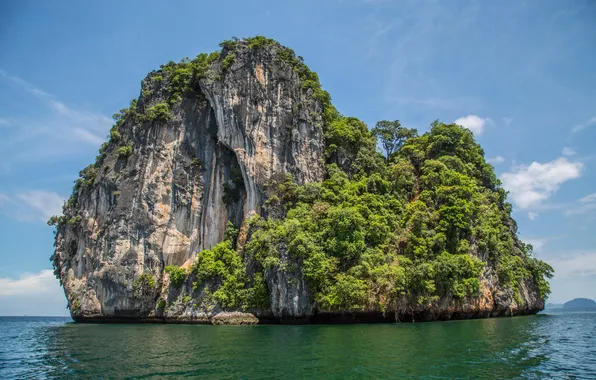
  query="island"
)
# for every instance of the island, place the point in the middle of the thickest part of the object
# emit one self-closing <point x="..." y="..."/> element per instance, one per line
<point x="580" y="303"/>
<point x="232" y="191"/>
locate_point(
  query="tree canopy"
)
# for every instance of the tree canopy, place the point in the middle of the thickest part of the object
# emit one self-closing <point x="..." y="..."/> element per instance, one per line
<point x="392" y="135"/>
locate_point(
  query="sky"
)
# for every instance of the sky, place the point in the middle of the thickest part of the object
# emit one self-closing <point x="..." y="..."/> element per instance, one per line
<point x="519" y="74"/>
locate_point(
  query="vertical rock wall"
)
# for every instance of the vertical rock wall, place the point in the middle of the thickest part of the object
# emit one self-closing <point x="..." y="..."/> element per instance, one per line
<point x="164" y="204"/>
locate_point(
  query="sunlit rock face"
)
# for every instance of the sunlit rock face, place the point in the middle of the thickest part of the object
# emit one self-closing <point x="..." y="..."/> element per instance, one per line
<point x="186" y="178"/>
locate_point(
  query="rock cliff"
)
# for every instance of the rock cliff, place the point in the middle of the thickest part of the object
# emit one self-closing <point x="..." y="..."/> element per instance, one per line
<point x="206" y="155"/>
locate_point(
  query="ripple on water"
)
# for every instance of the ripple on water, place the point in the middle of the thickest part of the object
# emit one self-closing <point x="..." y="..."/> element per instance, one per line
<point x="556" y="345"/>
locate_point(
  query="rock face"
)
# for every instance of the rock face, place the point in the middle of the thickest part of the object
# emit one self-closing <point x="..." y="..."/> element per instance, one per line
<point x="165" y="203"/>
<point x="183" y="164"/>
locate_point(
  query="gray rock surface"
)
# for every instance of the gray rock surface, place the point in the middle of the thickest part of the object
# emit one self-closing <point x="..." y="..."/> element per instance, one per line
<point x="156" y="208"/>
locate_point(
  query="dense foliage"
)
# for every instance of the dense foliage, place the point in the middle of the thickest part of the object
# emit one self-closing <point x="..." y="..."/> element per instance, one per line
<point x="414" y="230"/>
<point x="221" y="273"/>
<point x="177" y="275"/>
<point x="386" y="233"/>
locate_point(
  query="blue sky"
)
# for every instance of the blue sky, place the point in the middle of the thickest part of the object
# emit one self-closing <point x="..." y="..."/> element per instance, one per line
<point x="519" y="74"/>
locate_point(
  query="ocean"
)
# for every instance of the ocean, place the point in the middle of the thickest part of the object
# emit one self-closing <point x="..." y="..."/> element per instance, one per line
<point x="553" y="344"/>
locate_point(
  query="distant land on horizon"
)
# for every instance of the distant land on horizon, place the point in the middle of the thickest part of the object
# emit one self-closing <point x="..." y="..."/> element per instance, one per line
<point x="579" y="303"/>
<point x="576" y="303"/>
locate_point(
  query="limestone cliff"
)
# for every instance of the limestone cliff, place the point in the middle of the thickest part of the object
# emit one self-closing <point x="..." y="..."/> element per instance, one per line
<point x="198" y="152"/>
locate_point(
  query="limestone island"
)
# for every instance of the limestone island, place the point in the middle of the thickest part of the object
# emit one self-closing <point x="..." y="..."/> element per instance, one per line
<point x="233" y="192"/>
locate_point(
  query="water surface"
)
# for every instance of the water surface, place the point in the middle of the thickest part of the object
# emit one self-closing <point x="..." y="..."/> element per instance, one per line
<point x="557" y="344"/>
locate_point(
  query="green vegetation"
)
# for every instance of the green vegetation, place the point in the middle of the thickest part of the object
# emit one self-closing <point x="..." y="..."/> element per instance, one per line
<point x="177" y="275"/>
<point x="229" y="44"/>
<point x="259" y="42"/>
<point x="161" y="303"/>
<point x="408" y="230"/>
<point x="144" y="284"/>
<point x="232" y="189"/>
<point x="392" y="135"/>
<point x="227" y="62"/>
<point x="223" y="265"/>
<point x="125" y="113"/>
<point x="184" y="76"/>
<point x="75" y="306"/>
<point x="115" y="135"/>
<point x="125" y="151"/>
<point x="158" y="112"/>
<point x="87" y="177"/>
<point x="55" y="220"/>
<point x="74" y="220"/>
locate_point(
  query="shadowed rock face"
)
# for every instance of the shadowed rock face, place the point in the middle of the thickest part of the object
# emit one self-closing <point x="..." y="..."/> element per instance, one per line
<point x="165" y="203"/>
<point x="207" y="163"/>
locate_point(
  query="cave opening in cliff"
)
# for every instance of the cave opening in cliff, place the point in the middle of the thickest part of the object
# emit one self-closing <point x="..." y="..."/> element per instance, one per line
<point x="234" y="190"/>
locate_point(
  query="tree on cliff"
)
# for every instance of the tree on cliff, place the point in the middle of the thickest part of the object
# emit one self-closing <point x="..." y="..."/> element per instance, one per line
<point x="392" y="135"/>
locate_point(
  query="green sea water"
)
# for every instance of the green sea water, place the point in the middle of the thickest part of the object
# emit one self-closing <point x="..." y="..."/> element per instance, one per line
<point x="553" y="345"/>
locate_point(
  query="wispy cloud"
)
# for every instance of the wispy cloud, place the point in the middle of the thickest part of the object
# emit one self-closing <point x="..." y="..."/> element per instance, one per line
<point x="586" y="204"/>
<point x="572" y="264"/>
<point x="531" y="185"/>
<point x="507" y="120"/>
<point x="33" y="205"/>
<point x="567" y="151"/>
<point x="6" y="121"/>
<point x="588" y="198"/>
<point x="378" y="28"/>
<point x="532" y="215"/>
<point x="580" y="127"/>
<point x="61" y="132"/>
<point x="539" y="243"/>
<point x="412" y="85"/>
<point x="496" y="160"/>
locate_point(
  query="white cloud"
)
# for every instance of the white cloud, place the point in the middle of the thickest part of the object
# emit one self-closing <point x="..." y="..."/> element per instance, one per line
<point x="507" y="120"/>
<point x="38" y="283"/>
<point x="32" y="294"/>
<point x="529" y="186"/>
<point x="496" y="160"/>
<point x="567" y="151"/>
<point x="33" y="205"/>
<point x="579" y="127"/>
<point x="474" y="123"/>
<point x="532" y="215"/>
